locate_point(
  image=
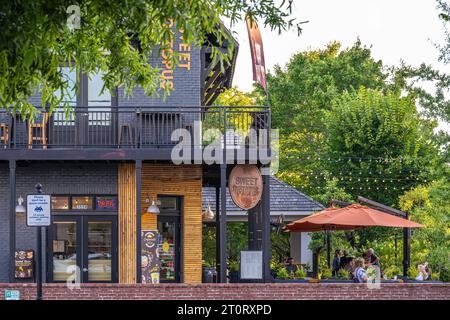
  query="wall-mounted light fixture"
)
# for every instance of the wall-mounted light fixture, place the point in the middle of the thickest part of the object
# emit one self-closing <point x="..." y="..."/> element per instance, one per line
<point x="208" y="214"/>
<point x="20" y="208"/>
<point x="153" y="208"/>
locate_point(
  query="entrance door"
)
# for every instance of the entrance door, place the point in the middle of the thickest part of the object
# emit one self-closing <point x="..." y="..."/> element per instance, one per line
<point x="94" y="122"/>
<point x="169" y="248"/>
<point x="88" y="243"/>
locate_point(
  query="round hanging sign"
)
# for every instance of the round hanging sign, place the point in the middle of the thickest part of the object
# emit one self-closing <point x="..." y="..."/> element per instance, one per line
<point x="245" y="185"/>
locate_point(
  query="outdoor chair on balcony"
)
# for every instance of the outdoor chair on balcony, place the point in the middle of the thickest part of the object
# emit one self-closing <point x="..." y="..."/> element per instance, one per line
<point x="126" y="135"/>
<point x="37" y="131"/>
<point x="4" y="134"/>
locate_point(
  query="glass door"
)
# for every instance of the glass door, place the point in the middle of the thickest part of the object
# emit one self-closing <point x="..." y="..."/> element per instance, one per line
<point x="64" y="241"/>
<point x="86" y="245"/>
<point x="101" y="122"/>
<point x="168" y="248"/>
<point x="100" y="249"/>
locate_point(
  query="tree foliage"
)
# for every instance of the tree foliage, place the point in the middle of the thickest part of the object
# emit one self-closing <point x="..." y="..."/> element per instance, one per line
<point x="374" y="125"/>
<point x="429" y="204"/>
<point x="300" y="95"/>
<point x="115" y="37"/>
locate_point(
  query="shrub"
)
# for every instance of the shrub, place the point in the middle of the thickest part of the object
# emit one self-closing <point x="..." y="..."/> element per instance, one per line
<point x="283" y="274"/>
<point x="343" y="274"/>
<point x="326" y="273"/>
<point x="392" y="271"/>
<point x="413" y="272"/>
<point x="444" y="275"/>
<point x="300" y="273"/>
<point x="234" y="266"/>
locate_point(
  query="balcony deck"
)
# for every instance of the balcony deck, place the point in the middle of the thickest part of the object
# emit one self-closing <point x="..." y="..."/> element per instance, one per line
<point x="126" y="133"/>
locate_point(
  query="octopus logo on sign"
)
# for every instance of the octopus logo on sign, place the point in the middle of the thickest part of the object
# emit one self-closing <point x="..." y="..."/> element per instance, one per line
<point x="245" y="185"/>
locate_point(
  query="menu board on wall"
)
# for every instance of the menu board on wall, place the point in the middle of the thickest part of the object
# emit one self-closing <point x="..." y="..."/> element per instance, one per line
<point x="23" y="262"/>
<point x="149" y="257"/>
<point x="251" y="264"/>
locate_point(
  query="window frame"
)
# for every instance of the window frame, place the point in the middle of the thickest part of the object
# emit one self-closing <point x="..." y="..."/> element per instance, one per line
<point x="93" y="211"/>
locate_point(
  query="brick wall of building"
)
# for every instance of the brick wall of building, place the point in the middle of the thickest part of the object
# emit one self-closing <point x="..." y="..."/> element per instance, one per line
<point x="56" y="178"/>
<point x="292" y="291"/>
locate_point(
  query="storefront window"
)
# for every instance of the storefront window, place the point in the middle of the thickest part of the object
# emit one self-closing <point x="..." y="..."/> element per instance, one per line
<point x="106" y="203"/>
<point x="64" y="250"/>
<point x="60" y="203"/>
<point x="168" y="203"/>
<point x="82" y="203"/>
<point x="99" y="250"/>
<point x="166" y="248"/>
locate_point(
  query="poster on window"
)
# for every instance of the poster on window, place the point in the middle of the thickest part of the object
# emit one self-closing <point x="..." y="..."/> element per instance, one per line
<point x="149" y="257"/>
<point x="23" y="262"/>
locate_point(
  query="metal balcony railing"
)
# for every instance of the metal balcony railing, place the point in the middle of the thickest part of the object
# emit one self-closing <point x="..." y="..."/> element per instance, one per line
<point x="131" y="127"/>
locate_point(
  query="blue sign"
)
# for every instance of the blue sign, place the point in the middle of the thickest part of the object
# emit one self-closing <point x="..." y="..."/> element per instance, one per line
<point x="12" y="295"/>
<point x="38" y="210"/>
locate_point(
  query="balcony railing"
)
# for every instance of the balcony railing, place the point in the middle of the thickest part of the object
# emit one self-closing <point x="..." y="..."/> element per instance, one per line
<point x="130" y="127"/>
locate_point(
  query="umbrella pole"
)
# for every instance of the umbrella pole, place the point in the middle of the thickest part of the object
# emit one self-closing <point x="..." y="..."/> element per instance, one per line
<point x="328" y="244"/>
<point x="406" y="249"/>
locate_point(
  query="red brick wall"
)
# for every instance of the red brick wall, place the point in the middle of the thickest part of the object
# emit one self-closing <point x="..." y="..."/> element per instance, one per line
<point x="313" y="291"/>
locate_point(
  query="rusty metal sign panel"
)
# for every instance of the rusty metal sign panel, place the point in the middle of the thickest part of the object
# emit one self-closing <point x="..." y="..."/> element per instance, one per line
<point x="245" y="185"/>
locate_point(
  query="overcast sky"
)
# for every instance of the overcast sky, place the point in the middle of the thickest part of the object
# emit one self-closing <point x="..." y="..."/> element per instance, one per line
<point x="396" y="30"/>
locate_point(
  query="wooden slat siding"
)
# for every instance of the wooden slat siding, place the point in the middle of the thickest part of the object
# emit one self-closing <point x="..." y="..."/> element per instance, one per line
<point x="185" y="181"/>
<point x="127" y="223"/>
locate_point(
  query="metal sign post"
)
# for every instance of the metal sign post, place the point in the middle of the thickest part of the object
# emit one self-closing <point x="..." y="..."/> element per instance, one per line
<point x="39" y="215"/>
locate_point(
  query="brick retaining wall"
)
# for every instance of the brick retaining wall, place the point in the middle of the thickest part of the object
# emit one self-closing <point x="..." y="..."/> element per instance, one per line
<point x="314" y="291"/>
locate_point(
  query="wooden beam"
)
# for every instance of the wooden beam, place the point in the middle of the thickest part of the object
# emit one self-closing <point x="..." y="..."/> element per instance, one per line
<point x="127" y="223"/>
<point x="339" y="203"/>
<point x="211" y="91"/>
<point x="138" y="172"/>
<point x="381" y="207"/>
<point x="212" y="79"/>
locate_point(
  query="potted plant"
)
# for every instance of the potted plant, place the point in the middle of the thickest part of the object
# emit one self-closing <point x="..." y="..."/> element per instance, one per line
<point x="343" y="274"/>
<point x="234" y="271"/>
<point x="413" y="273"/>
<point x="392" y="272"/>
<point x="300" y="273"/>
<point x="282" y="274"/>
<point x="325" y="273"/>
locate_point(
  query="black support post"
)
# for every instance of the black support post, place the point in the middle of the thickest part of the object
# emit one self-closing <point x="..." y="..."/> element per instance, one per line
<point x="12" y="217"/>
<point x="223" y="223"/>
<point x="39" y="264"/>
<point x="328" y="245"/>
<point x="218" y="262"/>
<point x="406" y="249"/>
<point x="251" y="224"/>
<point x="138" y="219"/>
<point x="265" y="214"/>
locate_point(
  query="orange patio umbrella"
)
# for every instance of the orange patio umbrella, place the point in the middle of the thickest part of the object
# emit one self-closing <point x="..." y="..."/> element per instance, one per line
<point x="354" y="216"/>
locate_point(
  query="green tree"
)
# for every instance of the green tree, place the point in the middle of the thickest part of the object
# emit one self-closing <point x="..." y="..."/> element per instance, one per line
<point x="429" y="205"/>
<point x="115" y="37"/>
<point x="301" y="93"/>
<point x="386" y="131"/>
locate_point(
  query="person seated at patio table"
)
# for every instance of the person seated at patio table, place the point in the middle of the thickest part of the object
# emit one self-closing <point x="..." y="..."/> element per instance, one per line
<point x="344" y="259"/>
<point x="359" y="273"/>
<point x="350" y="266"/>
<point x="365" y="257"/>
<point x="290" y="266"/>
<point x="336" y="262"/>
<point x="372" y="258"/>
<point x="424" y="272"/>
